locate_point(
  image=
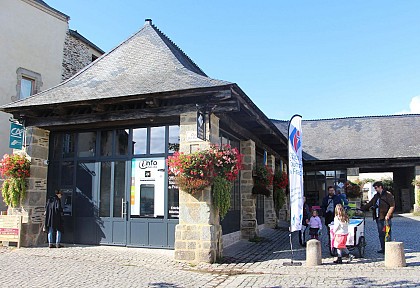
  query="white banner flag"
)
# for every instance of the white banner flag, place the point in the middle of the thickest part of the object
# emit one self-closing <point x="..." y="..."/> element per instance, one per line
<point x="295" y="173"/>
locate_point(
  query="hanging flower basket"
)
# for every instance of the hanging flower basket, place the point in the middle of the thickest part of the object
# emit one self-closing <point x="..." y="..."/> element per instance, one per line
<point x="15" y="168"/>
<point x="280" y="182"/>
<point x="263" y="179"/>
<point x="217" y="166"/>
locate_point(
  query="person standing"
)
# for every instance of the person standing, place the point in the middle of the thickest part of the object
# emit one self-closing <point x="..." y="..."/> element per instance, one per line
<point x="328" y="205"/>
<point x="306" y="212"/>
<point x="341" y="231"/>
<point x="54" y="220"/>
<point x="315" y="225"/>
<point x="383" y="204"/>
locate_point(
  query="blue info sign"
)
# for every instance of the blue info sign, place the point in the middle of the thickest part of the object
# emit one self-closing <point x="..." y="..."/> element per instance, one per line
<point x="16" y="136"/>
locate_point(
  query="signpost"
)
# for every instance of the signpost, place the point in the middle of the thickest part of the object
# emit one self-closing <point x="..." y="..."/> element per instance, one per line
<point x="10" y="227"/>
<point x="201" y="125"/>
<point x="16" y="136"/>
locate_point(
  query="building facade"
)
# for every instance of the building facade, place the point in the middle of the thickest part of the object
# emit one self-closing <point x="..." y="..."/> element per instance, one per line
<point x="124" y="119"/>
<point x="37" y="52"/>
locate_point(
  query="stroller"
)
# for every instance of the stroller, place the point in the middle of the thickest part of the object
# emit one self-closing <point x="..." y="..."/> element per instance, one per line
<point x="356" y="238"/>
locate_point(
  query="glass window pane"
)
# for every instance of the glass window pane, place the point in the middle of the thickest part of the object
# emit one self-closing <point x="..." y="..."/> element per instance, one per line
<point x="173" y="142"/>
<point x="86" y="144"/>
<point x="106" y="143"/>
<point x="157" y="140"/>
<point x="121" y="142"/>
<point x="140" y="141"/>
<point x="26" y="87"/>
<point x="85" y="199"/>
<point x="57" y="143"/>
<point x="67" y="173"/>
<point x="119" y="187"/>
<point x="68" y="145"/>
<point x="105" y="192"/>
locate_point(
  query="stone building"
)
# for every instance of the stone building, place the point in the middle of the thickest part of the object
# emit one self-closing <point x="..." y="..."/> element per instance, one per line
<point x="337" y="150"/>
<point x="100" y="128"/>
<point x="37" y="52"/>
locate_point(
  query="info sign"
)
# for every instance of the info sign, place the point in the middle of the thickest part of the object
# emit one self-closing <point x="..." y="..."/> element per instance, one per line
<point x="16" y="136"/>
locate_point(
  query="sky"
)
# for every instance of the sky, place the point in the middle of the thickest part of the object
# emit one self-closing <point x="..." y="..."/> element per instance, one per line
<point x="320" y="59"/>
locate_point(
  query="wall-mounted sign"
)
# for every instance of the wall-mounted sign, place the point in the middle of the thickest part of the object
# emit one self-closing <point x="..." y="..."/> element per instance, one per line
<point x="16" y="136"/>
<point x="201" y="125"/>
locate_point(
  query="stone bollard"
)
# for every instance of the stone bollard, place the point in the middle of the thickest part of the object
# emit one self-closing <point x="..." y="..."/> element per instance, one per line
<point x="394" y="254"/>
<point x="313" y="253"/>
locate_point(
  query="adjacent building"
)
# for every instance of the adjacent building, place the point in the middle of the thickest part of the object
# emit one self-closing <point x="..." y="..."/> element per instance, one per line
<point x="37" y="52"/>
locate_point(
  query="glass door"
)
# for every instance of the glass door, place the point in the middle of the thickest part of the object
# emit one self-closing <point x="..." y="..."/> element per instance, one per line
<point x="112" y="202"/>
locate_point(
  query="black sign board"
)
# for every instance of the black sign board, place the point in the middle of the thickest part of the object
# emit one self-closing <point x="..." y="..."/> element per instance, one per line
<point x="201" y="125"/>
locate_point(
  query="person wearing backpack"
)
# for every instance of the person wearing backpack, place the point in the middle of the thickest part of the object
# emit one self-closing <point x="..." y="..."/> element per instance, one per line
<point x="328" y="206"/>
<point x="383" y="205"/>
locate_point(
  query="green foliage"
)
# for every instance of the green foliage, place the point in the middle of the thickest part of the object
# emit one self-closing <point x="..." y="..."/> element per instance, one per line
<point x="279" y="198"/>
<point x="13" y="191"/>
<point x="221" y="195"/>
<point x="388" y="184"/>
<point x="16" y="168"/>
<point x="352" y="190"/>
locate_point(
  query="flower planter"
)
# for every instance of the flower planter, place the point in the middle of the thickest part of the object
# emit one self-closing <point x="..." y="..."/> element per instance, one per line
<point x="260" y="189"/>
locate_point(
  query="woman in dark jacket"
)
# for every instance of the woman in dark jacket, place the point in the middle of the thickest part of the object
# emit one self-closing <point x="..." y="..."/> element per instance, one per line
<point x="54" y="219"/>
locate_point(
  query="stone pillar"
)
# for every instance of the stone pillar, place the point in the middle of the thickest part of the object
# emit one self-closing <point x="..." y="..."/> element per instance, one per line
<point x="249" y="227"/>
<point x="417" y="190"/>
<point x="313" y="253"/>
<point x="270" y="218"/>
<point x="198" y="236"/>
<point x="33" y="206"/>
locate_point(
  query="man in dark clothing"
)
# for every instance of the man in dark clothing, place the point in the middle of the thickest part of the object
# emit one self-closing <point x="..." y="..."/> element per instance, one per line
<point x="328" y="206"/>
<point x="53" y="219"/>
<point x="383" y="204"/>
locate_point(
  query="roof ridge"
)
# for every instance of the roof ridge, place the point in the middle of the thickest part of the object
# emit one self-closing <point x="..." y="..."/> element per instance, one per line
<point x="165" y="37"/>
<point x="355" y="117"/>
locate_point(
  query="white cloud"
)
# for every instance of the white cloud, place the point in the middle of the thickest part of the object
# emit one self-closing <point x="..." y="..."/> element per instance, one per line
<point x="414" y="106"/>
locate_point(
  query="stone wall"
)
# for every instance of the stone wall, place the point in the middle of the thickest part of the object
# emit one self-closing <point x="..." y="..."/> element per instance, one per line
<point x="249" y="227"/>
<point x="270" y="218"/>
<point x="33" y="206"/>
<point x="198" y="236"/>
<point x="76" y="56"/>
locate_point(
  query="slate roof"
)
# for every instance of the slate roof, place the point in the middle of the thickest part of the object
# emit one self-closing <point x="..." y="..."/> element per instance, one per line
<point x="377" y="137"/>
<point x="147" y="62"/>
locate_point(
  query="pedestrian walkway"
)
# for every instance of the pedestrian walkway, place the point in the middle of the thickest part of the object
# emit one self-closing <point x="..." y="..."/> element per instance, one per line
<point x="245" y="264"/>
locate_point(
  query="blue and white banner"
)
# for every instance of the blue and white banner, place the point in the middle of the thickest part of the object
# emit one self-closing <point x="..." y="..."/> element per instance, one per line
<point x="295" y="173"/>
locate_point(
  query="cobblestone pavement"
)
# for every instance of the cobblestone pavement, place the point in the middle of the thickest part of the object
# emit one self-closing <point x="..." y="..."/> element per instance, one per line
<point x="245" y="264"/>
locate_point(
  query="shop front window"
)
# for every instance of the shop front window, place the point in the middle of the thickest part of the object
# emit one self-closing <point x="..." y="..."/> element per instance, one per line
<point x="106" y="143"/>
<point x="86" y="144"/>
<point x="139" y="141"/>
<point x="157" y="140"/>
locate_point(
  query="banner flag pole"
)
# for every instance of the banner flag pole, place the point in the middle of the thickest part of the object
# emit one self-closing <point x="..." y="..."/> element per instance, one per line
<point x="295" y="180"/>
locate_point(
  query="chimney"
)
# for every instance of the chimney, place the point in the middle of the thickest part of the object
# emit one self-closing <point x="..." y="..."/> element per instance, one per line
<point x="148" y="22"/>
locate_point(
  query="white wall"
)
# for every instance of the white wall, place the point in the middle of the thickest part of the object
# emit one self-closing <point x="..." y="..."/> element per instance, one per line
<point x="31" y="37"/>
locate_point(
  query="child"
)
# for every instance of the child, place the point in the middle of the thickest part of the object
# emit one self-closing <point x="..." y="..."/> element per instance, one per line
<point x="315" y="225"/>
<point x="341" y="230"/>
